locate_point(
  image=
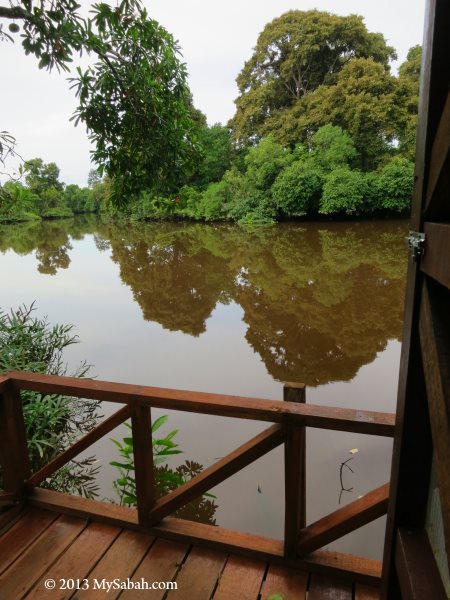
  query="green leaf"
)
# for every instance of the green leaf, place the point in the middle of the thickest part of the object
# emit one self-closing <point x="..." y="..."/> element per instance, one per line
<point x="159" y="422"/>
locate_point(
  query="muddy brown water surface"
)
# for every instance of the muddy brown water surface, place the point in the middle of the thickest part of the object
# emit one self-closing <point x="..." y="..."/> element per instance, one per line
<point x="223" y="309"/>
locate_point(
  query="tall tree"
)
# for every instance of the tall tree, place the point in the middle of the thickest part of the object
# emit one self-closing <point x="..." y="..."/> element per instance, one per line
<point x="134" y="99"/>
<point x="40" y="176"/>
<point x="409" y="75"/>
<point x="294" y="55"/>
<point x="364" y="102"/>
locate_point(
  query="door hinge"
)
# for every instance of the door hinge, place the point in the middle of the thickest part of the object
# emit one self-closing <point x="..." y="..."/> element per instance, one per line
<point x="416" y="243"/>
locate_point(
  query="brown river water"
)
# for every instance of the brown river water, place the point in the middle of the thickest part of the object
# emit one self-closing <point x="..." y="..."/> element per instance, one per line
<point x="223" y="309"/>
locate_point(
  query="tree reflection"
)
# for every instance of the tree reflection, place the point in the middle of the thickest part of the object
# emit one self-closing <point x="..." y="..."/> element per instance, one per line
<point x="320" y="300"/>
<point x="175" y="281"/>
<point x="50" y="240"/>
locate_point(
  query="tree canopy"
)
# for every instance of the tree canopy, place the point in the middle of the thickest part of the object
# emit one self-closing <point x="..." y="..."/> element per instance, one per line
<point x="294" y="55"/>
<point x="134" y="99"/>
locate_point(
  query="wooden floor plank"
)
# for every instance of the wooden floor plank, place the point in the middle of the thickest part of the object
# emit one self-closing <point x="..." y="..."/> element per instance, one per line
<point x="199" y="575"/>
<point x="161" y="563"/>
<point x="241" y="578"/>
<point x="20" y="577"/>
<point x="287" y="583"/>
<point x="323" y="587"/>
<point x="9" y="516"/>
<point x="23" y="533"/>
<point x="77" y="561"/>
<point x="366" y="592"/>
<point x="120" y="561"/>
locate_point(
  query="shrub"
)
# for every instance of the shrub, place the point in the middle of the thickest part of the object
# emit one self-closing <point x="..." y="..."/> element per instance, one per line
<point x="344" y="192"/>
<point x="332" y="147"/>
<point x="212" y="205"/>
<point x="298" y="188"/>
<point x="265" y="161"/>
<point x="395" y="185"/>
<point x="53" y="422"/>
<point x="166" y="478"/>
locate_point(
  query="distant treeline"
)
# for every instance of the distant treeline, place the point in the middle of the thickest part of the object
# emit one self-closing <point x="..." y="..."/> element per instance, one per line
<point x="266" y="184"/>
<point x="321" y="127"/>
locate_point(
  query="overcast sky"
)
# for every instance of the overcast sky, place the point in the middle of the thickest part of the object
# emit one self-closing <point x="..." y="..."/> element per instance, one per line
<point x="216" y="39"/>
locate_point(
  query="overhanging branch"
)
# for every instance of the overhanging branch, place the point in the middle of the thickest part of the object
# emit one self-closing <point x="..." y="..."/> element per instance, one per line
<point x="13" y="12"/>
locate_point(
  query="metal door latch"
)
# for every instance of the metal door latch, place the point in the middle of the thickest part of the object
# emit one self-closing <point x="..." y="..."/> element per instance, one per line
<point x="416" y="243"/>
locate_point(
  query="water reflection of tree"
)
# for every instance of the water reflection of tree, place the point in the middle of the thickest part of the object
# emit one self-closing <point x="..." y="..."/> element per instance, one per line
<point x="50" y="240"/>
<point x="174" y="285"/>
<point x="202" y="509"/>
<point x="320" y="300"/>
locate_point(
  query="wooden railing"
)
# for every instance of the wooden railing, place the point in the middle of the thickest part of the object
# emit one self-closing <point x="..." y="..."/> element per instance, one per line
<point x="289" y="418"/>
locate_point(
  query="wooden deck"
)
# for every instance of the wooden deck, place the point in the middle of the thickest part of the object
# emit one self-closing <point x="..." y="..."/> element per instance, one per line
<point x="41" y="544"/>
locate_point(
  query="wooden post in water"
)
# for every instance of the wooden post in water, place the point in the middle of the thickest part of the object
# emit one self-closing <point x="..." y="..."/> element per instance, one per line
<point x="14" y="458"/>
<point x="294" y="474"/>
<point x="141" y="424"/>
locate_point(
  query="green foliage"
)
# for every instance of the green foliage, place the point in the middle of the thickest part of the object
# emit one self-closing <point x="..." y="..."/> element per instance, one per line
<point x="40" y="176"/>
<point x="166" y="479"/>
<point x="125" y="485"/>
<point x="133" y="99"/>
<point x="394" y="185"/>
<point x="53" y="422"/>
<point x="136" y="103"/>
<point x="298" y="189"/>
<point x="332" y="147"/>
<point x="265" y="161"/>
<point x="408" y="98"/>
<point x="17" y="203"/>
<point x="77" y="199"/>
<point x="343" y="192"/>
<point x="51" y="204"/>
<point x="364" y="102"/>
<point x="93" y="178"/>
<point x="243" y="197"/>
<point x="217" y="153"/>
<point x="294" y="55"/>
<point x="213" y="201"/>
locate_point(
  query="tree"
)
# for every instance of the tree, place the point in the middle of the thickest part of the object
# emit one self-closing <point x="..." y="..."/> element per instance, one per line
<point x="217" y="153"/>
<point x="294" y="55"/>
<point x="343" y="192"/>
<point x="298" y="188"/>
<point x="364" y="103"/>
<point x="134" y="99"/>
<point x="17" y="203"/>
<point x="409" y="75"/>
<point x="93" y="178"/>
<point x="265" y="161"/>
<point x="394" y="185"/>
<point x="78" y="199"/>
<point x="332" y="147"/>
<point x="40" y="176"/>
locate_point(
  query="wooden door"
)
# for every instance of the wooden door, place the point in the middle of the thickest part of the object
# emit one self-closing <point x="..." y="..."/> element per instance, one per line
<point x="418" y="528"/>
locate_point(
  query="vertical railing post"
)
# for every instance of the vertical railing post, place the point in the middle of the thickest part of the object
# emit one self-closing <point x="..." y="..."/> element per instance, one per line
<point x="294" y="474"/>
<point x="14" y="457"/>
<point x="141" y="424"/>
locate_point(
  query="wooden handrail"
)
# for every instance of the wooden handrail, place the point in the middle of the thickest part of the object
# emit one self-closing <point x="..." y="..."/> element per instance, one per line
<point x="288" y="413"/>
<point x="4" y="382"/>
<point x="290" y="417"/>
<point x="82" y="444"/>
<point x="141" y="426"/>
<point x="344" y="520"/>
<point x="226" y="467"/>
<point x="294" y="474"/>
